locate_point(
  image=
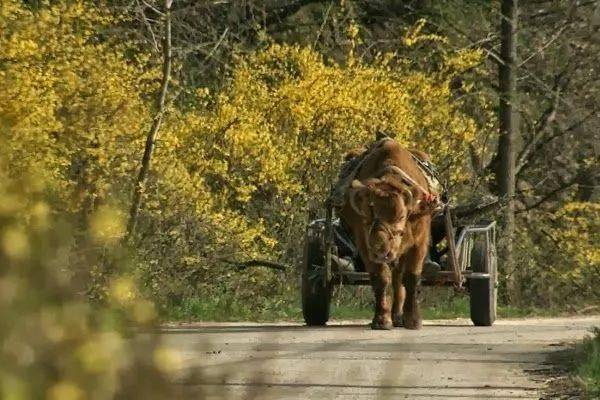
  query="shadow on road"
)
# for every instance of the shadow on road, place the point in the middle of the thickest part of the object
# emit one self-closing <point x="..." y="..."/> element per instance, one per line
<point x="288" y="361"/>
<point x="275" y="328"/>
<point x="383" y="390"/>
<point x="251" y="328"/>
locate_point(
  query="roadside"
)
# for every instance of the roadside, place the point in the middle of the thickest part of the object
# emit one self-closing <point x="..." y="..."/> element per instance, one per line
<point x="589" y="366"/>
<point x="575" y="371"/>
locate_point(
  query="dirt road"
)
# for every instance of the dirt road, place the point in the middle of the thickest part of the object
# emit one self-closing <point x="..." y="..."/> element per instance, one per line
<point x="447" y="359"/>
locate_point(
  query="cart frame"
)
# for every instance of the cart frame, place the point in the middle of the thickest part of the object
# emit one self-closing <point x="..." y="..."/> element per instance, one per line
<point x="475" y="244"/>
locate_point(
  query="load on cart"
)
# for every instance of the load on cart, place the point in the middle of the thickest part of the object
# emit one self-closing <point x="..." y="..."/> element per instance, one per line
<point x="388" y="224"/>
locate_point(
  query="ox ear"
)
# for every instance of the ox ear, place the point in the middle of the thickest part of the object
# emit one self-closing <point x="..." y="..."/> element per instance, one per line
<point x="358" y="197"/>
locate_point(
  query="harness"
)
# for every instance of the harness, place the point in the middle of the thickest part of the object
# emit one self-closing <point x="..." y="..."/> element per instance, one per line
<point x="377" y="222"/>
<point x="435" y="190"/>
<point x="434" y="182"/>
<point x="433" y="194"/>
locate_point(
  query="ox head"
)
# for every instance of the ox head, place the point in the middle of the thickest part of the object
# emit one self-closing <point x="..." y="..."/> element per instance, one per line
<point x="384" y="204"/>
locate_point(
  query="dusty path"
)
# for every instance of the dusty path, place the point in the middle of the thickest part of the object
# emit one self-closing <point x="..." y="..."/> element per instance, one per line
<point x="447" y="359"/>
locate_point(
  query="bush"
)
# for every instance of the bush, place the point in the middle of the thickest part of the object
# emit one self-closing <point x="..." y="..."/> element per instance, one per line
<point x="238" y="176"/>
<point x="589" y="369"/>
<point x="558" y="257"/>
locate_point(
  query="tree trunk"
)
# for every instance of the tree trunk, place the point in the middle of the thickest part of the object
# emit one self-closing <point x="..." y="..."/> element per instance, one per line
<point x="505" y="166"/>
<point x="140" y="183"/>
<point x="588" y="181"/>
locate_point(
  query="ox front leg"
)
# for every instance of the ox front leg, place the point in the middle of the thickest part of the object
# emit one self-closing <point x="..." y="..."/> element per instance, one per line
<point x="411" y="316"/>
<point x="381" y="279"/>
<point x="399" y="295"/>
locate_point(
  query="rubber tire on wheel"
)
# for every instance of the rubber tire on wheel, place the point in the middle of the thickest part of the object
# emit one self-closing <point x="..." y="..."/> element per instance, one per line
<point x="483" y="295"/>
<point x="316" y="297"/>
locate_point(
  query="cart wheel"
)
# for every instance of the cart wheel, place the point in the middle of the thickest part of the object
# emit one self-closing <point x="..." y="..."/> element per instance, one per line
<point x="316" y="297"/>
<point x="483" y="289"/>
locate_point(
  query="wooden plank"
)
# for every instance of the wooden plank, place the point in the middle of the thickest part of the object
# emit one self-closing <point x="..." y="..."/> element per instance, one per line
<point x="452" y="247"/>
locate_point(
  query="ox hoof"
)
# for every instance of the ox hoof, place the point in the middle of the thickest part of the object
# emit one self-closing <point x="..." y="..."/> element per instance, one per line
<point x="397" y="320"/>
<point x="381" y="324"/>
<point x="412" y="321"/>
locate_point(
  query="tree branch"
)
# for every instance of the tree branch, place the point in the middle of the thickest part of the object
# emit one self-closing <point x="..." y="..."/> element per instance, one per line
<point x="140" y="183"/>
<point x="281" y="13"/>
<point x="256" y="263"/>
<point x="477" y="209"/>
<point x="540" y="125"/>
<point x="526" y="161"/>
<point x="549" y="195"/>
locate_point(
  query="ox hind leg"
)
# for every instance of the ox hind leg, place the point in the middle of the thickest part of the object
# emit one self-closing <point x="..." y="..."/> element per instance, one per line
<point x="412" y="266"/>
<point x="399" y="294"/>
<point x="381" y="278"/>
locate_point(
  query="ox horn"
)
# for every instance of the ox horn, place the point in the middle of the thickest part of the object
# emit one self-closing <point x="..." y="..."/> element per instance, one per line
<point x="355" y="188"/>
<point x="409" y="193"/>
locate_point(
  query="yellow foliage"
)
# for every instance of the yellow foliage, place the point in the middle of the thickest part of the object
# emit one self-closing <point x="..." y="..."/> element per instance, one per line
<point x="15" y="243"/>
<point x="65" y="391"/>
<point x="167" y="360"/>
<point x="559" y="255"/>
<point x="107" y="225"/>
<point x="576" y="231"/>
<point x="123" y="290"/>
<point x="70" y="105"/>
<point x="414" y="35"/>
<point x="278" y="131"/>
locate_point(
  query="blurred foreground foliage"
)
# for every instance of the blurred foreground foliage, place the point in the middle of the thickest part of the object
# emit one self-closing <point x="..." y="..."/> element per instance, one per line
<point x="57" y="345"/>
<point x="240" y="165"/>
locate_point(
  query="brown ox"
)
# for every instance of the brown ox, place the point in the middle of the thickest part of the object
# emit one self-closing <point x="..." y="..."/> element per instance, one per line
<point x="388" y="211"/>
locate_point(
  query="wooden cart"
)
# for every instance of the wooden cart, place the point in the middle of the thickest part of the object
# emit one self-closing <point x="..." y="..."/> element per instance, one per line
<point x="467" y="258"/>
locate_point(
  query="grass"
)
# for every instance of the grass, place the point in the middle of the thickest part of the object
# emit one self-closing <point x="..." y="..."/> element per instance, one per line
<point x="225" y="309"/>
<point x="588" y="369"/>
<point x="348" y="303"/>
<point x="457" y="307"/>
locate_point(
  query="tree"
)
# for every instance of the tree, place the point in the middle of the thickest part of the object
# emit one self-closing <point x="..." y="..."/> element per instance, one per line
<point x="504" y="170"/>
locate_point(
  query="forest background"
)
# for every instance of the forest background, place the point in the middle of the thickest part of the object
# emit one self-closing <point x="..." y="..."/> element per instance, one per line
<point x="250" y="107"/>
<point x="149" y="149"/>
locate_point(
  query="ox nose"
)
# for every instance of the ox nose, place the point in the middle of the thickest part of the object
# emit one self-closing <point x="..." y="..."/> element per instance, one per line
<point x="383" y="256"/>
